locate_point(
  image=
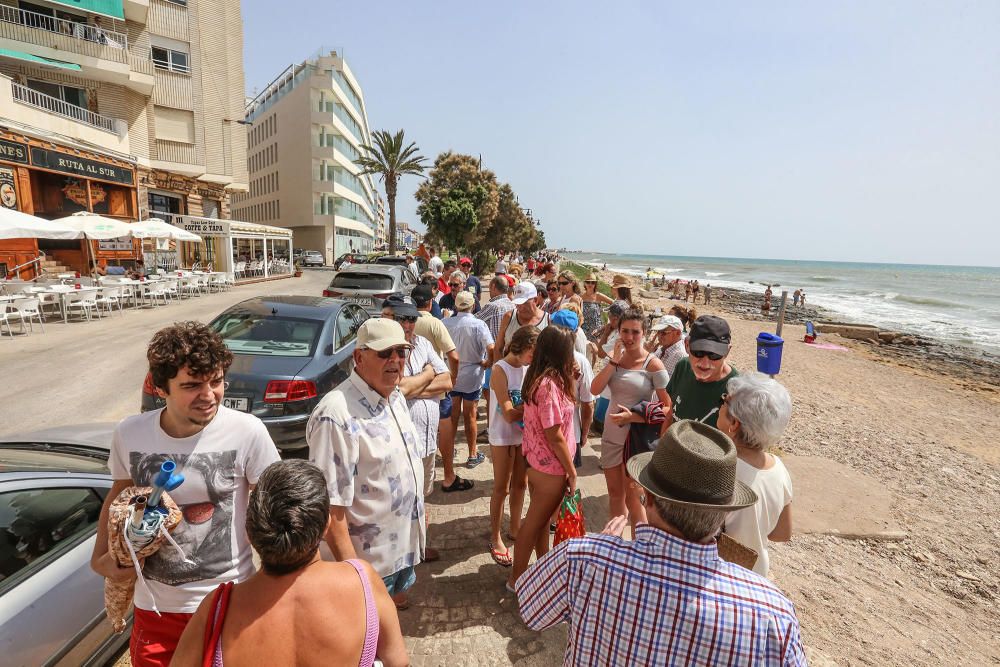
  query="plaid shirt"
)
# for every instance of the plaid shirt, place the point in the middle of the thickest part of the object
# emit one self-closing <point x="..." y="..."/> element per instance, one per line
<point x="658" y="600"/>
<point x="493" y="312"/>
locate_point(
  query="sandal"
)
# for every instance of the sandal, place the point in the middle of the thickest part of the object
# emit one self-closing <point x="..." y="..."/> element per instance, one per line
<point x="501" y="558"/>
<point x="473" y="461"/>
<point x="458" y="485"/>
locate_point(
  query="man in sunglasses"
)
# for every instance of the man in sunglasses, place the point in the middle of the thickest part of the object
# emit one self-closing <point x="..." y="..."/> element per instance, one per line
<point x="699" y="381"/>
<point x="362" y="438"/>
<point x="457" y="283"/>
<point x="425" y="379"/>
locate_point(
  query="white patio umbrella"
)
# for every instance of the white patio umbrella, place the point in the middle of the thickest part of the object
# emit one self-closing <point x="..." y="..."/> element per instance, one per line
<point x="155" y="228"/>
<point x="18" y="225"/>
<point x="96" y="227"/>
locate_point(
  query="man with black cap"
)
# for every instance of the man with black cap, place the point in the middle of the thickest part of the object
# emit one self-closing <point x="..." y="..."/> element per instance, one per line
<point x="666" y="596"/>
<point x="698" y="382"/>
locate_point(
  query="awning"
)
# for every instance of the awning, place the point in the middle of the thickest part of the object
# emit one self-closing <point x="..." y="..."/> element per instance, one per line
<point x="347" y="223"/>
<point x="113" y="8"/>
<point x="38" y="60"/>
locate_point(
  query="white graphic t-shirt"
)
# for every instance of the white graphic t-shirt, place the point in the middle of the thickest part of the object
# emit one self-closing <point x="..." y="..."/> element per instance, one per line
<point x="219" y="464"/>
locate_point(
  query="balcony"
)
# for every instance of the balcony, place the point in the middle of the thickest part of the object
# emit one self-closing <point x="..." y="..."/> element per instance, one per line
<point x="33" y="98"/>
<point x="102" y="54"/>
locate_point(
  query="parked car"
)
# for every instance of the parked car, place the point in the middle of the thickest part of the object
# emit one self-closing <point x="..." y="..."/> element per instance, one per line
<point x="355" y="257"/>
<point x="52" y="485"/>
<point x="312" y="258"/>
<point x="368" y="285"/>
<point x="290" y="351"/>
<point x="400" y="260"/>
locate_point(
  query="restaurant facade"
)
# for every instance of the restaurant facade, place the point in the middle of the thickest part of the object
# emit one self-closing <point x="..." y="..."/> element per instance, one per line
<point x="51" y="180"/>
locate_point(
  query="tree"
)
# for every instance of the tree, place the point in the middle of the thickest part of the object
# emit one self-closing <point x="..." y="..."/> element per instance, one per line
<point x="457" y="199"/>
<point x="391" y="161"/>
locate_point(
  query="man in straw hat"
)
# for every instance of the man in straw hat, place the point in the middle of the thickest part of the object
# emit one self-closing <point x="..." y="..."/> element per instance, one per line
<point x="667" y="595"/>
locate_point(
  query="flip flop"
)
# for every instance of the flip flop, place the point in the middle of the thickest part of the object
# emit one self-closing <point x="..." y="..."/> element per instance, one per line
<point x="458" y="485"/>
<point x="510" y="589"/>
<point x="501" y="558"/>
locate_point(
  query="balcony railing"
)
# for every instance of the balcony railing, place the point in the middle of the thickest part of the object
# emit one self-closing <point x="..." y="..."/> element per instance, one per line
<point x="33" y="98"/>
<point x="84" y="31"/>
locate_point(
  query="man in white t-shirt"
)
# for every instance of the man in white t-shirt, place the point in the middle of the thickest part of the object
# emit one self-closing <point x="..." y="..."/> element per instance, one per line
<point x="434" y="263"/>
<point x="221" y="453"/>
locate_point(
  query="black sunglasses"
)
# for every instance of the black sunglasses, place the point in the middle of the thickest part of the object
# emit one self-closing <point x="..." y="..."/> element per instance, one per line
<point x="563" y="283"/>
<point x="400" y="351"/>
<point x="455" y="285"/>
<point x="553" y="289"/>
<point x="404" y="318"/>
<point x="711" y="355"/>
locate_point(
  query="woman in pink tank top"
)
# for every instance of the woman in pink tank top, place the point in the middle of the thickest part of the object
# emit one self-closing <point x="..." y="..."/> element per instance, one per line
<point x="342" y="611"/>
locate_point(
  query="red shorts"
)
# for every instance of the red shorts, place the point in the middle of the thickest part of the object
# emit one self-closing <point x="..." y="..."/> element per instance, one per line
<point x="155" y="638"/>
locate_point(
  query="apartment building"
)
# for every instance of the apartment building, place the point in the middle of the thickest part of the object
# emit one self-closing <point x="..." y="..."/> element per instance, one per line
<point x="306" y="129"/>
<point x="128" y="108"/>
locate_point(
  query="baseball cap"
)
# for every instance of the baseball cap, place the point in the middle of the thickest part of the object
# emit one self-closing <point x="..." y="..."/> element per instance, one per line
<point x="464" y="301"/>
<point x="422" y="295"/>
<point x="710" y="334"/>
<point x="667" y="322"/>
<point x="464" y="261"/>
<point x="379" y="333"/>
<point x="565" y="318"/>
<point x="524" y="292"/>
<point x="401" y="305"/>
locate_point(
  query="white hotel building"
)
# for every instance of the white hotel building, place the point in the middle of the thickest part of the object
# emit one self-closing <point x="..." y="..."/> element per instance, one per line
<point x="306" y="129"/>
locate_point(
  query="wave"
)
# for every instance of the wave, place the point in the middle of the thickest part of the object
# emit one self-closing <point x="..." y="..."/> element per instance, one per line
<point x="715" y="274"/>
<point x="927" y="301"/>
<point x="825" y="279"/>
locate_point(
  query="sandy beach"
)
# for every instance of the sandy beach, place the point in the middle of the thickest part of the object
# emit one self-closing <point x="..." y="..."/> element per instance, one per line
<point x="902" y="452"/>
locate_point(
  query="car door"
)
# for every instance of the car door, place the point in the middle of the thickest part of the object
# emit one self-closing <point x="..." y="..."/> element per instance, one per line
<point x="51" y="602"/>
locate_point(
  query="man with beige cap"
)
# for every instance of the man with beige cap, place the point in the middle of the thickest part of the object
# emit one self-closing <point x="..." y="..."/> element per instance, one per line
<point x="361" y="437"/>
<point x="666" y="596"/>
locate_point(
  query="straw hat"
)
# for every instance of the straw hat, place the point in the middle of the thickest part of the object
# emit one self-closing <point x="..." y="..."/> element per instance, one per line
<point x="620" y="281"/>
<point x="693" y="465"/>
<point x="591" y="278"/>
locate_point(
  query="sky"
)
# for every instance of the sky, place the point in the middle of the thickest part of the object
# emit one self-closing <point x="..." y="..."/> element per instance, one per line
<point x="854" y="131"/>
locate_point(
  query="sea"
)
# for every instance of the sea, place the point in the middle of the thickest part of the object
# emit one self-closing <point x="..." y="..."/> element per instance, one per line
<point x="953" y="304"/>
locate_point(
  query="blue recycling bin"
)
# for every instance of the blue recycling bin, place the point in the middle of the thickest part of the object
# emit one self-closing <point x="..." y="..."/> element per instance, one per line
<point x="769" y="353"/>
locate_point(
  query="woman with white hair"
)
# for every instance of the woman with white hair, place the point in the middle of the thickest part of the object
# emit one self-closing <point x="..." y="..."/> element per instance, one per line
<point x="755" y="411"/>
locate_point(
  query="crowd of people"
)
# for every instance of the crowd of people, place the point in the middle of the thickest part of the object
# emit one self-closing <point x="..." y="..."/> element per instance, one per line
<point x="683" y="451"/>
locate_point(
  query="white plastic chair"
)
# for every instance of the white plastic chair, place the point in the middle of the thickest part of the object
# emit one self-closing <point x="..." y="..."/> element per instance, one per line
<point x="109" y="297"/>
<point x="6" y="316"/>
<point x="82" y="302"/>
<point x="26" y="309"/>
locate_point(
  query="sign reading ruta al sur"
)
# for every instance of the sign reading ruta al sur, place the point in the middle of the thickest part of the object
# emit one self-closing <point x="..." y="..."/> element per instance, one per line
<point x="78" y="166"/>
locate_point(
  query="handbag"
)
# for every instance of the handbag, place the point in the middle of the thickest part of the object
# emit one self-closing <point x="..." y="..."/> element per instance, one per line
<point x="213" y="627"/>
<point x="569" y="521"/>
<point x="644" y="437"/>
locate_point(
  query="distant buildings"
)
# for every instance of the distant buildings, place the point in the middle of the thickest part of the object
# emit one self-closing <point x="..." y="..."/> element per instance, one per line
<point x="407" y="237"/>
<point x="306" y="130"/>
<point x="128" y="108"/>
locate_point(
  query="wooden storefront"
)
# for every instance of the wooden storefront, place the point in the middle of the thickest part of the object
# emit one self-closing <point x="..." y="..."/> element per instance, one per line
<point x="51" y="181"/>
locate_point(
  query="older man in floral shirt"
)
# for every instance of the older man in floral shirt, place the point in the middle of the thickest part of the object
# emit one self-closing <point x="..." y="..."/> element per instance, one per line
<point x="362" y="437"/>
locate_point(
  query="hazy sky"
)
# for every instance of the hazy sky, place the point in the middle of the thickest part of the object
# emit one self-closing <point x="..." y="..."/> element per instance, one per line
<point x="866" y="131"/>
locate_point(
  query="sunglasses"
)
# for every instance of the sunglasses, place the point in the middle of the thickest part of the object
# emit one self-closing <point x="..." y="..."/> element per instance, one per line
<point x="455" y="285"/>
<point x="553" y="289"/>
<point x="564" y="283"/>
<point x="400" y="352"/>
<point x="406" y="318"/>
<point x="590" y="282"/>
<point x="711" y="355"/>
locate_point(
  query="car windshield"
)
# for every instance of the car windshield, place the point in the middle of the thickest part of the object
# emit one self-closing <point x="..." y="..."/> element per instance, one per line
<point x="352" y="280"/>
<point x="252" y="333"/>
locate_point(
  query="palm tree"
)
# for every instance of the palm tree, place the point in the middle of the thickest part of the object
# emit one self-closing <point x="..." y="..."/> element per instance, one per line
<point x="390" y="161"/>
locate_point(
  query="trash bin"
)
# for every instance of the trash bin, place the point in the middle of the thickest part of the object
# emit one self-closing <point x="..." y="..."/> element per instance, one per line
<point x="769" y="353"/>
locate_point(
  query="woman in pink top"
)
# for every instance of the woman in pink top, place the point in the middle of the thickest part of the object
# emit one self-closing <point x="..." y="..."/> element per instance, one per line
<point x="548" y="444"/>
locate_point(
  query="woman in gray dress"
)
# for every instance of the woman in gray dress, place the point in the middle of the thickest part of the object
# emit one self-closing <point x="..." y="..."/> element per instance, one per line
<point x="633" y="375"/>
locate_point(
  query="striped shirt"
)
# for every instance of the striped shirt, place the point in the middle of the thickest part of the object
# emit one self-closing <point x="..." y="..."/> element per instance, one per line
<point x="658" y="600"/>
<point x="424" y="412"/>
<point x="493" y="312"/>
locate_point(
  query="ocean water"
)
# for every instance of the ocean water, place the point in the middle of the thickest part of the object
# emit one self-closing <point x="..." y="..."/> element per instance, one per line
<point x="954" y="304"/>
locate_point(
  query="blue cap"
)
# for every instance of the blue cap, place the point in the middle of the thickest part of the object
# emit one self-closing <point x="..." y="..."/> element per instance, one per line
<point x="566" y="318"/>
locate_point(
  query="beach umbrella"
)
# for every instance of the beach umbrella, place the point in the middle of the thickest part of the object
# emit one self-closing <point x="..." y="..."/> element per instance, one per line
<point x="96" y="227"/>
<point x="18" y="225"/>
<point x="155" y="228"/>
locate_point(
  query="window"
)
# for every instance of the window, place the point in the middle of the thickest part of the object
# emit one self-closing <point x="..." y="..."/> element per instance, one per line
<point x="38" y="525"/>
<point x="347" y="327"/>
<point x="183" y="3"/>
<point x="69" y="94"/>
<point x="174" y="124"/>
<point x="168" y="59"/>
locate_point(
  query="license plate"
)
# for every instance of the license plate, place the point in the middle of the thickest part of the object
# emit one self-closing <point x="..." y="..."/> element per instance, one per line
<point x="361" y="300"/>
<point x="242" y="404"/>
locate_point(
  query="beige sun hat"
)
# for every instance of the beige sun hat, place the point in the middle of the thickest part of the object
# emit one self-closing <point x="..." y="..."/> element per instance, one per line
<point x="693" y="465"/>
<point x="620" y="281"/>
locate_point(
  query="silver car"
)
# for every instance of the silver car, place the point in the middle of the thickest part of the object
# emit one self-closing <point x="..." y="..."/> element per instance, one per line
<point x="369" y="284"/>
<point x="52" y="485"/>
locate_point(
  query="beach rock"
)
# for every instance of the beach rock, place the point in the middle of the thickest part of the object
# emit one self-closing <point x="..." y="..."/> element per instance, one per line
<point x="888" y="336"/>
<point x="852" y="331"/>
<point x="906" y="340"/>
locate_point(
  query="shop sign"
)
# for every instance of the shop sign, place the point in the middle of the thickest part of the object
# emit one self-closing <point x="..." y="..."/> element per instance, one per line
<point x="8" y="191"/>
<point x="162" y="180"/>
<point x="78" y="166"/>
<point x="123" y="243"/>
<point x="75" y="191"/>
<point x="205" y="227"/>
<point x="12" y="151"/>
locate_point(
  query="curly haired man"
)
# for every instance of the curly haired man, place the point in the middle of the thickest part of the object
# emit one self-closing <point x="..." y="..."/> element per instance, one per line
<point x="221" y="453"/>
